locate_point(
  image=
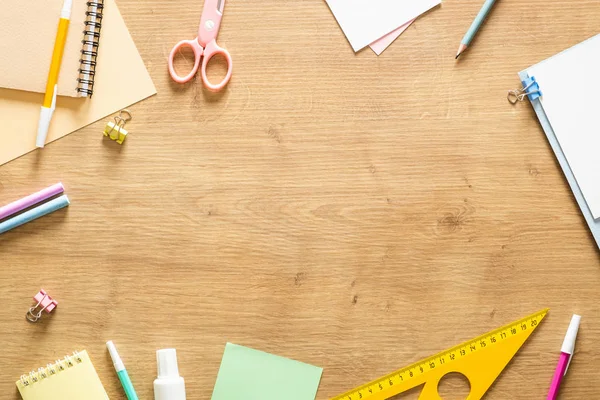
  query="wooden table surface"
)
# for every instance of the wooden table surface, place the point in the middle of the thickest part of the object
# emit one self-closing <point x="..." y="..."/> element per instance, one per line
<point x="350" y="211"/>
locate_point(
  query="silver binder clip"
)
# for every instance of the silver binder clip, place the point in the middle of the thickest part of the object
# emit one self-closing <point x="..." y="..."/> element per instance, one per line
<point x="530" y="89"/>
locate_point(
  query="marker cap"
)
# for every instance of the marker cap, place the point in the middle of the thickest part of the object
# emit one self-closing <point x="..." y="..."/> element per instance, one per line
<point x="117" y="362"/>
<point x="569" y="342"/>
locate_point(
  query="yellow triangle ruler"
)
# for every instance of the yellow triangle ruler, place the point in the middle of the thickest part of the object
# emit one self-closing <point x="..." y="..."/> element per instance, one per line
<point x="480" y="360"/>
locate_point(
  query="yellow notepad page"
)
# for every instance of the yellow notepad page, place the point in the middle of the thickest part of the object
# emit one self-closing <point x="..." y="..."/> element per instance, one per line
<point x="72" y="378"/>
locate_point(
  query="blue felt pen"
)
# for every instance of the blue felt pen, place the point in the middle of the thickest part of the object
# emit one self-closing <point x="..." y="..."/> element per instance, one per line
<point x="121" y="371"/>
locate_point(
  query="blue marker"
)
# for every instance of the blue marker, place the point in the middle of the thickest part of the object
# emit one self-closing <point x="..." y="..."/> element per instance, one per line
<point x="121" y="372"/>
<point x="34" y="213"/>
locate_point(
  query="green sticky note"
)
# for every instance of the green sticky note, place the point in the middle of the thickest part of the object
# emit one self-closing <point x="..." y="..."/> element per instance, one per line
<point x="248" y="374"/>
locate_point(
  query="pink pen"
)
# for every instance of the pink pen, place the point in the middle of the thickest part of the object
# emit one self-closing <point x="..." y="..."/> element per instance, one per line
<point x="566" y="353"/>
<point x="31" y="200"/>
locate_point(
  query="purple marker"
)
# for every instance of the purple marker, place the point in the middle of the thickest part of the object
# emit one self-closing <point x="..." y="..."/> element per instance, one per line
<point x="31" y="200"/>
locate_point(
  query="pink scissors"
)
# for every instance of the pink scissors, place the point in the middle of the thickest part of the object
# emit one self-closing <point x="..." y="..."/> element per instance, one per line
<point x="205" y="45"/>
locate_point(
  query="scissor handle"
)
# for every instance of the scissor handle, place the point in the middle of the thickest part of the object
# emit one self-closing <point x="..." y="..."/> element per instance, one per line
<point x="198" y="51"/>
<point x="211" y="50"/>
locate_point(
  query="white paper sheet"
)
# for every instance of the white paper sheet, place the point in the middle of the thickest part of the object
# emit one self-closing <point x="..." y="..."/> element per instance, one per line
<point x="570" y="85"/>
<point x="365" y="21"/>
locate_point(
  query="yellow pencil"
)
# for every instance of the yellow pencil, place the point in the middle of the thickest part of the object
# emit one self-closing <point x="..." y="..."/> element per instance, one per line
<point x="52" y="85"/>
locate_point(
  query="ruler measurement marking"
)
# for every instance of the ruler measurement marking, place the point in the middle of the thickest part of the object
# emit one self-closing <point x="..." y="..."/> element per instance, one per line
<point x="419" y="368"/>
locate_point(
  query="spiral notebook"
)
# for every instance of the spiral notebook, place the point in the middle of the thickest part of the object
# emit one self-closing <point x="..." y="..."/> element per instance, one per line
<point x="71" y="378"/>
<point x="27" y="33"/>
<point x="120" y="79"/>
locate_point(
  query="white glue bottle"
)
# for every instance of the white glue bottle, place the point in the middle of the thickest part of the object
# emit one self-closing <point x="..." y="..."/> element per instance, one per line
<point x="169" y="385"/>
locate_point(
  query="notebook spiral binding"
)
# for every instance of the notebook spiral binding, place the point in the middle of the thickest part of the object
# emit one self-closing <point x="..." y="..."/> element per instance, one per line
<point x="89" y="52"/>
<point x="51" y="369"/>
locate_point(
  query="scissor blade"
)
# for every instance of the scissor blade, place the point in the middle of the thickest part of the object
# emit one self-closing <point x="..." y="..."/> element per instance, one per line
<point x="221" y="6"/>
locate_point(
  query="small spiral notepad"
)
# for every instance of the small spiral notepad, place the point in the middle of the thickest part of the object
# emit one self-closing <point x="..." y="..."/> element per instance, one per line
<point x="70" y="378"/>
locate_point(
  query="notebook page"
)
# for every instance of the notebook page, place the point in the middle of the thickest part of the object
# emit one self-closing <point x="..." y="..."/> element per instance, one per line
<point x="570" y="82"/>
<point x="77" y="382"/>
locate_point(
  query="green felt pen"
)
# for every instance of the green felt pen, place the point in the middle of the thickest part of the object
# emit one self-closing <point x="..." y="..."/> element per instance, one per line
<point x="121" y="372"/>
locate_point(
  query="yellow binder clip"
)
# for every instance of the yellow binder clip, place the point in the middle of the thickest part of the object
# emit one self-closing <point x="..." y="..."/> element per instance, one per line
<point x="116" y="130"/>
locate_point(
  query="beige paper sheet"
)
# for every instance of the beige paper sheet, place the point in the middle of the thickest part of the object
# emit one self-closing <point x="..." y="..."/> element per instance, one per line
<point x="27" y="33"/>
<point x="121" y="80"/>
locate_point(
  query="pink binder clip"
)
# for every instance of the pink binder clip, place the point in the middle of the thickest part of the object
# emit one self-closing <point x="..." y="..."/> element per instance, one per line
<point x="45" y="302"/>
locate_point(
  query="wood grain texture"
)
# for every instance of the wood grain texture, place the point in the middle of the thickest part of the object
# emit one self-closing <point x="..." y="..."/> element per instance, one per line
<point x="349" y="211"/>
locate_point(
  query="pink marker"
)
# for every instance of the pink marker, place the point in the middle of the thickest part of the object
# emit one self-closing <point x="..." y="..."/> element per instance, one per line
<point x="30" y="200"/>
<point x="566" y="353"/>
